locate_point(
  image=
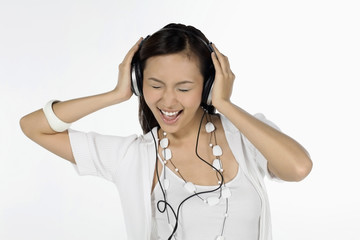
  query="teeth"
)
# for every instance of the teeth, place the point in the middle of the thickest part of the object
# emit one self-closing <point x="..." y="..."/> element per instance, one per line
<point x="169" y="113"/>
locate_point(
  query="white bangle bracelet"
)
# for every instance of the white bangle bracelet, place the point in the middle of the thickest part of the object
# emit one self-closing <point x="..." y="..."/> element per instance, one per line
<point x="55" y="123"/>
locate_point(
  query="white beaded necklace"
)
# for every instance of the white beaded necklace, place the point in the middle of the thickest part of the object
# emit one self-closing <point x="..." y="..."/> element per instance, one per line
<point x="225" y="192"/>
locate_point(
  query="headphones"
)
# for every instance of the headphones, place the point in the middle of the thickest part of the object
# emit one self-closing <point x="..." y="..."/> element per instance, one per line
<point x="137" y="74"/>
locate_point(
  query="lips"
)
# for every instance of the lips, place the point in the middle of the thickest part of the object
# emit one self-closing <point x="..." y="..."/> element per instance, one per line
<point x="170" y="117"/>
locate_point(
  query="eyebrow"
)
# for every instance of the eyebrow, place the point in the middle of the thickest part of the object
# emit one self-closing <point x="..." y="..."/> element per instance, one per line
<point x="178" y="83"/>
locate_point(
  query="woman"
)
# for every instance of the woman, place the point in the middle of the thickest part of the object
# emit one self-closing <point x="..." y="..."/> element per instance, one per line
<point x="193" y="174"/>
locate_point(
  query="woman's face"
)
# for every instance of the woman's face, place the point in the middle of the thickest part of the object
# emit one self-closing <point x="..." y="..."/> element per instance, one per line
<point x="172" y="89"/>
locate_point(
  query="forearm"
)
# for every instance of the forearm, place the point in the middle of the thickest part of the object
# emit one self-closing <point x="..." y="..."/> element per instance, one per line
<point x="287" y="159"/>
<point x="36" y="126"/>
<point x="73" y="110"/>
<point x="68" y="111"/>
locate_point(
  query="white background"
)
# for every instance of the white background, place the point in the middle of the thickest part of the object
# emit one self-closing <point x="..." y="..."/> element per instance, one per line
<point x="295" y="61"/>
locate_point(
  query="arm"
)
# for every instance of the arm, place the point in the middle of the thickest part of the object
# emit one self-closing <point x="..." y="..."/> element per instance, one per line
<point x="287" y="159"/>
<point x="36" y="127"/>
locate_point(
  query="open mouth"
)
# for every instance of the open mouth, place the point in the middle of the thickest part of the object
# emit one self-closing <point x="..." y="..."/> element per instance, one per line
<point x="170" y="117"/>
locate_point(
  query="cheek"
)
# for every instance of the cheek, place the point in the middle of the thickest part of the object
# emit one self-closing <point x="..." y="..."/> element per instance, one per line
<point x="150" y="96"/>
<point x="193" y="99"/>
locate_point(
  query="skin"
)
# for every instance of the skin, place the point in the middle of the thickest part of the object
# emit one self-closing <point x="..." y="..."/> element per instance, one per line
<point x="164" y="78"/>
<point x="287" y="159"/>
<point x="174" y="83"/>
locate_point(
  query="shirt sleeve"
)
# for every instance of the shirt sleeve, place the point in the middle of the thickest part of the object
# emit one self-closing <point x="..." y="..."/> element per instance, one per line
<point x="98" y="155"/>
<point x="261" y="161"/>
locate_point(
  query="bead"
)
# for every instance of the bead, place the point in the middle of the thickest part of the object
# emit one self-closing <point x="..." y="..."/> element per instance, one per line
<point x="211" y="145"/>
<point x="221" y="170"/>
<point x="166" y="184"/>
<point x="216" y="164"/>
<point x="209" y="127"/>
<point x="190" y="187"/>
<point x="176" y="169"/>
<point x="225" y="193"/>
<point x="164" y="143"/>
<point x="219" y="182"/>
<point x="164" y="133"/>
<point x="220" y="238"/>
<point x="166" y="154"/>
<point x="212" y="201"/>
<point x="217" y="151"/>
<point x="226" y="215"/>
<point x="165" y="162"/>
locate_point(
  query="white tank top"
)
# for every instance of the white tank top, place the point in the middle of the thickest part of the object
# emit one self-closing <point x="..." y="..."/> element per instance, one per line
<point x="198" y="220"/>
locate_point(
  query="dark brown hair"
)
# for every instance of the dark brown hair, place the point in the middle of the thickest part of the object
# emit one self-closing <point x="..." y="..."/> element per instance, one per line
<point x="173" y="38"/>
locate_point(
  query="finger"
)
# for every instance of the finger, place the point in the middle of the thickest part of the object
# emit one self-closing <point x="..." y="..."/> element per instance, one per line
<point x="215" y="57"/>
<point x="221" y="57"/>
<point x="216" y="63"/>
<point x="128" y="57"/>
<point x="224" y="60"/>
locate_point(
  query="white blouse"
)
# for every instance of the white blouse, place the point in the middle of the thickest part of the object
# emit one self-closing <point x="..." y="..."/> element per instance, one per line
<point x="129" y="163"/>
<point x="198" y="220"/>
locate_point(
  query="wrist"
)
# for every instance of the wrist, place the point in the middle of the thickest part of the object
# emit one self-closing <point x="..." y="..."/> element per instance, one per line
<point x="117" y="97"/>
<point x="222" y="105"/>
<point x="120" y="96"/>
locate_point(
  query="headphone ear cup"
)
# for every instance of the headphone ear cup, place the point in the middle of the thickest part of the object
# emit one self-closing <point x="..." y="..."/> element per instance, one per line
<point x="136" y="78"/>
<point x="136" y="75"/>
<point x="134" y="87"/>
<point x="208" y="86"/>
<point x="136" y="72"/>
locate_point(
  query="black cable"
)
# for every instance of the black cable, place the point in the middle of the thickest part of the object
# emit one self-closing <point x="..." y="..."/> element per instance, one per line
<point x="157" y="175"/>
<point x="176" y="215"/>
<point x="196" y="194"/>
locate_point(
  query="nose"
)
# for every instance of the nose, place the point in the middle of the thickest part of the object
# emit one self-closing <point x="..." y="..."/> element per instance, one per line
<point x="169" y="98"/>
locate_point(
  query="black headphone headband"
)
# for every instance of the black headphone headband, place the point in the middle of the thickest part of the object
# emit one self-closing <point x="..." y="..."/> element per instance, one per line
<point x="137" y="75"/>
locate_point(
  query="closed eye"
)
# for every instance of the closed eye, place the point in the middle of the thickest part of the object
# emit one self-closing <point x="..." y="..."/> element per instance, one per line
<point x="183" y="90"/>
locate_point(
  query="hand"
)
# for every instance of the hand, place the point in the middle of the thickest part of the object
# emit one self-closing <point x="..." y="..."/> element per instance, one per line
<point x="123" y="87"/>
<point x="224" y="78"/>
